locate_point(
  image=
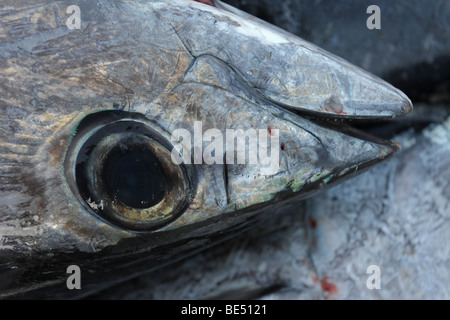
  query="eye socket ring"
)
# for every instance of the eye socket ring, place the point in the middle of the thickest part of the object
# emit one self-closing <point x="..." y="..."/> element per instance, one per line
<point x="120" y="169"/>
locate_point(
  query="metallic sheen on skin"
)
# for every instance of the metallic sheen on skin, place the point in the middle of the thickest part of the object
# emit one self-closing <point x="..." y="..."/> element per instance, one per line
<point x="174" y="62"/>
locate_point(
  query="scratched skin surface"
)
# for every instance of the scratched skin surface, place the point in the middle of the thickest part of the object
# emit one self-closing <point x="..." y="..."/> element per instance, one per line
<point x="396" y="215"/>
<point x="159" y="65"/>
<point x="411" y="52"/>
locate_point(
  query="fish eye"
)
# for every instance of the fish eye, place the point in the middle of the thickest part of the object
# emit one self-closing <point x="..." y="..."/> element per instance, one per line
<point x="120" y="169"/>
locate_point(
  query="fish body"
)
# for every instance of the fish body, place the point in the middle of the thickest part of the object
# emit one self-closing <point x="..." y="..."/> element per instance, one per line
<point x="81" y="106"/>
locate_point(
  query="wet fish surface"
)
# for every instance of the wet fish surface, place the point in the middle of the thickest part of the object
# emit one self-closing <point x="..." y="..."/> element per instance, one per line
<point x="80" y="107"/>
<point x="394" y="216"/>
<point x="322" y="249"/>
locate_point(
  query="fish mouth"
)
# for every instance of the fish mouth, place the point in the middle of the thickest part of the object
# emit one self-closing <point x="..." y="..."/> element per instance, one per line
<point x="353" y="127"/>
<point x="321" y="93"/>
<point x="360" y="124"/>
<point x="318" y="86"/>
<point x="361" y="148"/>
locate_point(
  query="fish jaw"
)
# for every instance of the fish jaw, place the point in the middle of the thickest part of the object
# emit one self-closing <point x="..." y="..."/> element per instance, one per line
<point x="54" y="78"/>
<point x="306" y="156"/>
<point x="284" y="68"/>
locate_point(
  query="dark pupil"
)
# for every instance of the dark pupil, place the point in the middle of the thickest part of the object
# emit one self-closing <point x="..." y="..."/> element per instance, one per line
<point x="135" y="178"/>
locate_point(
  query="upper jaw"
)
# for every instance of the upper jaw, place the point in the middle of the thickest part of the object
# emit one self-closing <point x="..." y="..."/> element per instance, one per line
<point x="296" y="81"/>
<point x="296" y="74"/>
<point x="311" y="80"/>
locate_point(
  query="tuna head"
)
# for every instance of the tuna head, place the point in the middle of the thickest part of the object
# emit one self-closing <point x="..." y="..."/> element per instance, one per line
<point x="157" y="128"/>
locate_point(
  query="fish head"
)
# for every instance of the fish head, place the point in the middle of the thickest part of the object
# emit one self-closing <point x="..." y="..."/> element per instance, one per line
<point x="159" y="128"/>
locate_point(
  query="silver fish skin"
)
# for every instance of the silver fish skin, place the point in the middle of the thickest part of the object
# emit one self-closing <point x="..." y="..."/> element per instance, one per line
<point x="322" y="248"/>
<point x="159" y="66"/>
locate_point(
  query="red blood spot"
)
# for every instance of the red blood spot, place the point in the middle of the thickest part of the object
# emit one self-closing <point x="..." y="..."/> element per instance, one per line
<point x="283" y="147"/>
<point x="329" y="287"/>
<point x="315" y="279"/>
<point x="269" y="129"/>
<point x="312" y="222"/>
<point x="194" y="206"/>
<point x="333" y="104"/>
<point x="208" y="2"/>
